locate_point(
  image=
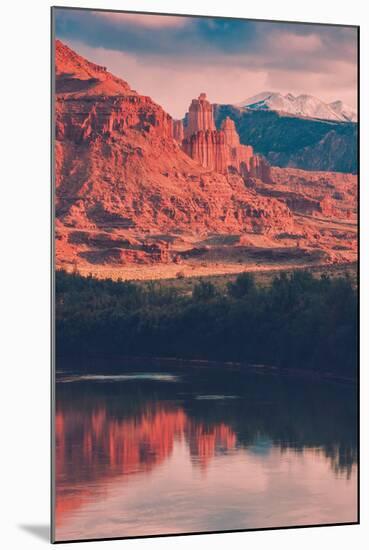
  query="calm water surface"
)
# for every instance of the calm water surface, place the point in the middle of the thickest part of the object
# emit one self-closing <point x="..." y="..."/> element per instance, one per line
<point x="142" y="451"/>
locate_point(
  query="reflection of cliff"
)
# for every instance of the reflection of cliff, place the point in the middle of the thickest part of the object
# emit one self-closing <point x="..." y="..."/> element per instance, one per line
<point x="205" y="442"/>
<point x="132" y="444"/>
<point x="95" y="445"/>
<point x="107" y="433"/>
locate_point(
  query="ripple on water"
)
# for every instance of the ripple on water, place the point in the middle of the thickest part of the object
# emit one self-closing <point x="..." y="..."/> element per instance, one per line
<point x="159" y="377"/>
<point x="215" y="397"/>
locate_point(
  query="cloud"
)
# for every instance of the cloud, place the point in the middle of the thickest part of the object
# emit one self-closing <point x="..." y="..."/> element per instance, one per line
<point x="337" y="83"/>
<point x="297" y="43"/>
<point x="173" y="58"/>
<point x="173" y="85"/>
<point x="140" y="20"/>
<point x="207" y="36"/>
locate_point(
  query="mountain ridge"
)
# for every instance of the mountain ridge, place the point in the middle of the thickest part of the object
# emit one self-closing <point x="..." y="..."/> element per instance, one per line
<point x="127" y="193"/>
<point x="304" y="105"/>
<point x="297" y="142"/>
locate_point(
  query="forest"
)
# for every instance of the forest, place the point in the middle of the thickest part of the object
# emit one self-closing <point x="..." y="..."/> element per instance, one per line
<point x="297" y="321"/>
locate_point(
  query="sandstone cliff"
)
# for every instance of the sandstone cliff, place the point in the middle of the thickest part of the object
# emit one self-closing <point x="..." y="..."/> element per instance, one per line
<point x="122" y="177"/>
<point x="178" y="130"/>
<point x="219" y="150"/>
<point x="200" y="116"/>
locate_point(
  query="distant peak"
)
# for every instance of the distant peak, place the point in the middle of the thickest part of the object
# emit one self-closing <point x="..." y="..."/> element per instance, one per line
<point x="304" y="105"/>
<point x="337" y="104"/>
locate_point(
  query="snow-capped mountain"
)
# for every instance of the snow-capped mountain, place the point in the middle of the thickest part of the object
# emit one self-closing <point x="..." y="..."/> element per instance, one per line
<point x="344" y="111"/>
<point x="303" y="105"/>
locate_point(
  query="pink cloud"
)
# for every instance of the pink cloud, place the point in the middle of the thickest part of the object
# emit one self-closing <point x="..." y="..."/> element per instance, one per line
<point x="141" y="20"/>
<point x="173" y="84"/>
<point x="297" y="43"/>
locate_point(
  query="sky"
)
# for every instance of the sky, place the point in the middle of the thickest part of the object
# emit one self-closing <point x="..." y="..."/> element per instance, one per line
<point x="173" y="59"/>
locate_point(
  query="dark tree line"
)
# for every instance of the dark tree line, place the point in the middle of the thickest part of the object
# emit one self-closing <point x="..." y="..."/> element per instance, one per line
<point x="297" y="322"/>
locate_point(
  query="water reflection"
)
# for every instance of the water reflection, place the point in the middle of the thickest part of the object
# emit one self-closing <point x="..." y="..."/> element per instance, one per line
<point x="141" y="455"/>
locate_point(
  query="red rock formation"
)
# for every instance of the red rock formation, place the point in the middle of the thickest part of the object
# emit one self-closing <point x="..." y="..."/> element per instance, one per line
<point x="232" y="138"/>
<point x="260" y="168"/>
<point x="123" y="179"/>
<point x="200" y="116"/>
<point x="220" y="150"/>
<point x="77" y="121"/>
<point x="119" y="172"/>
<point x="178" y="130"/>
<point x="239" y="156"/>
<point x="209" y="149"/>
<point x="332" y="194"/>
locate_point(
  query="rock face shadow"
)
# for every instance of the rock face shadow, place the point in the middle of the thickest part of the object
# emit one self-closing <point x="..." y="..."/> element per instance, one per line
<point x="40" y="531"/>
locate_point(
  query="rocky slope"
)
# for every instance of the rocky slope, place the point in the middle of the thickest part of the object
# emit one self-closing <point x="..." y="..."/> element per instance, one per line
<point x="290" y="141"/>
<point x="130" y="192"/>
<point x="121" y="176"/>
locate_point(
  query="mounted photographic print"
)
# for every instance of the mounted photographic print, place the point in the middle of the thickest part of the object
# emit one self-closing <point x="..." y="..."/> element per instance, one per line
<point x="205" y="290"/>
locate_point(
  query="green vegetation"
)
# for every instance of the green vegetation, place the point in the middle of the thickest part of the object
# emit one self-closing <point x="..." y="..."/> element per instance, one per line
<point x="297" y="321"/>
<point x="290" y="140"/>
<point x="184" y="284"/>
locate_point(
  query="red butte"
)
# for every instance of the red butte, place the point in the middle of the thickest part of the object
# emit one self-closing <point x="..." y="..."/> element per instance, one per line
<point x="218" y="150"/>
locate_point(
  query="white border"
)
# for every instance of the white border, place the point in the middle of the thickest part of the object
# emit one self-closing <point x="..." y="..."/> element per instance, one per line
<point x="25" y="229"/>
